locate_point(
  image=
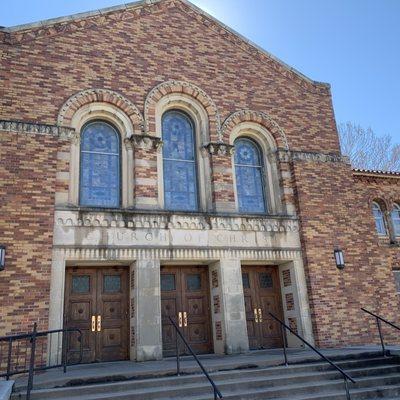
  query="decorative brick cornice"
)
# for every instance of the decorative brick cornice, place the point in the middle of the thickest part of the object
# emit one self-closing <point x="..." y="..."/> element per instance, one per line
<point x="35" y="128"/>
<point x="189" y="89"/>
<point x="145" y="142"/>
<point x="88" y="96"/>
<point x="220" y="149"/>
<point x="258" y="117"/>
<point x="287" y="156"/>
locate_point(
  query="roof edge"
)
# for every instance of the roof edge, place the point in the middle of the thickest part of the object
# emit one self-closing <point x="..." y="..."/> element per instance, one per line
<point x="376" y="173"/>
<point x="139" y="3"/>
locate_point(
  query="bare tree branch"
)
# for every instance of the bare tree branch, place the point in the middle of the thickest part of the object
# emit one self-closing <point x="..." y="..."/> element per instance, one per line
<point x="367" y="150"/>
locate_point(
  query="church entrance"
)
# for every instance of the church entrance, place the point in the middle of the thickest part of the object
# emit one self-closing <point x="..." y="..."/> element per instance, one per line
<point x="185" y="298"/>
<point x="96" y="302"/>
<point x="262" y="295"/>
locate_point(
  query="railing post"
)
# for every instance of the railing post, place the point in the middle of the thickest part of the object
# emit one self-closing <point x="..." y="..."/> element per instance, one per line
<point x="284" y="344"/>
<point x="378" y="322"/>
<point x="64" y="351"/>
<point x="346" y="385"/>
<point x="32" y="362"/>
<point x="178" y="361"/>
<point x="9" y="358"/>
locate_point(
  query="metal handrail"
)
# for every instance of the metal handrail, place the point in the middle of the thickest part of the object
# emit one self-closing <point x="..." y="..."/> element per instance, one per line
<point x="216" y="390"/>
<point x="33" y="336"/>
<point x="378" y="323"/>
<point x="346" y="376"/>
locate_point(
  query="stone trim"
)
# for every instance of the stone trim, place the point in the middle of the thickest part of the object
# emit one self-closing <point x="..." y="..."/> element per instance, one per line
<point x="146" y="142"/>
<point x="63" y="132"/>
<point x="220" y="149"/>
<point x="184" y="222"/>
<point x="131" y="253"/>
<point x="187" y="88"/>
<point x="287" y="156"/>
<point x="258" y="117"/>
<point x="96" y="95"/>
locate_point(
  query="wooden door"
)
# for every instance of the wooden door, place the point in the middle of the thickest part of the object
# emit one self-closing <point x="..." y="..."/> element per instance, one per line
<point x="96" y="301"/>
<point x="262" y="295"/>
<point x="185" y="293"/>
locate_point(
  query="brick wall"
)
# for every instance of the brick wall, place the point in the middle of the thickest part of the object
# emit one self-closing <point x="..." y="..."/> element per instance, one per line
<point x="27" y="176"/>
<point x="131" y="52"/>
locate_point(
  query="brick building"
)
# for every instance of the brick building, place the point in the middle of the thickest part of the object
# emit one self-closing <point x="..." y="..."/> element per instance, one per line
<point x="155" y="163"/>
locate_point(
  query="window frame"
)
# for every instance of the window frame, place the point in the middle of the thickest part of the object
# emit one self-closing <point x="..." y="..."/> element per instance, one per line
<point x="377" y="207"/>
<point x="120" y="172"/>
<point x="396" y="209"/>
<point x="263" y="171"/>
<point x="397" y="272"/>
<point x="195" y="161"/>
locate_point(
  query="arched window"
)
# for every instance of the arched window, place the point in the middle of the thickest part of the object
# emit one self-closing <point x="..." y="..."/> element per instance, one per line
<point x="249" y="176"/>
<point x="396" y="219"/>
<point x="100" y="166"/>
<point x="379" y="219"/>
<point x="179" y="162"/>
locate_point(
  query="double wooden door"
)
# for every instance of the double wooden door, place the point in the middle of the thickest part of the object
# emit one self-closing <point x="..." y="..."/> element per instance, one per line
<point x="262" y="295"/>
<point x="96" y="302"/>
<point x="185" y="298"/>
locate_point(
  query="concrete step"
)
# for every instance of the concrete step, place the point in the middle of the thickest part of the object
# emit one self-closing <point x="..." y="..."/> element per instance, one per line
<point x="377" y="377"/>
<point x="283" y="380"/>
<point x="248" y="371"/>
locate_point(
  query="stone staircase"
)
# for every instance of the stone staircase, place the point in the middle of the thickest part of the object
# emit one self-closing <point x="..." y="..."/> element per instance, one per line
<point x="376" y="377"/>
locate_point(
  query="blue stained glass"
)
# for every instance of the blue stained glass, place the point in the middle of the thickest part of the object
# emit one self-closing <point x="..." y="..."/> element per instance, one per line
<point x="100" y="166"/>
<point x="249" y="177"/>
<point x="180" y="177"/>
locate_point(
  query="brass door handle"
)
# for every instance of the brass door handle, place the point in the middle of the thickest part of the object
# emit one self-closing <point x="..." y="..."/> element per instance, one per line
<point x="260" y="317"/>
<point x="185" y="320"/>
<point x="180" y="320"/>
<point x="93" y="323"/>
<point x="256" y="315"/>
<point x="99" y="323"/>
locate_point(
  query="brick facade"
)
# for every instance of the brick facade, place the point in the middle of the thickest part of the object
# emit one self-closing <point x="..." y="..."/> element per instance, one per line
<point x="130" y="58"/>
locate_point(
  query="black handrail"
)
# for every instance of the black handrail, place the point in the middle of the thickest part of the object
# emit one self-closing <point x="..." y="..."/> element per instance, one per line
<point x="378" y="323"/>
<point x="178" y="331"/>
<point x="32" y="339"/>
<point x="346" y="377"/>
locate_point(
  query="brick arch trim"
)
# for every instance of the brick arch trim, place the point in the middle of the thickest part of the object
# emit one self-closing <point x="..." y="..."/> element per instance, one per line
<point x="189" y="89"/>
<point x="257" y="117"/>
<point x="88" y="96"/>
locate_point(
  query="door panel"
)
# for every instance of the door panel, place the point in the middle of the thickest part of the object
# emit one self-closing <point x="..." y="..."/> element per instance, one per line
<point x="112" y="301"/>
<point x="262" y="295"/>
<point x="102" y="294"/>
<point x="186" y="292"/>
<point x="80" y="306"/>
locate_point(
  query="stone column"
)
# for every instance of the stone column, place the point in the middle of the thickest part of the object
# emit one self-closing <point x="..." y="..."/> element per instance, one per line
<point x="147" y="292"/>
<point x="229" y="316"/>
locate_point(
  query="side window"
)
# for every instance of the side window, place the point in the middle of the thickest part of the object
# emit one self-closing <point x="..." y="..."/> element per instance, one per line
<point x="179" y="162"/>
<point x="249" y="172"/>
<point x="99" y="166"/>
<point x="396" y="219"/>
<point x="379" y="219"/>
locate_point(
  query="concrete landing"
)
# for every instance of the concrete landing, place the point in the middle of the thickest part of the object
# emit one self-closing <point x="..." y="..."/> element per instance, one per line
<point x="129" y="370"/>
<point x="5" y="389"/>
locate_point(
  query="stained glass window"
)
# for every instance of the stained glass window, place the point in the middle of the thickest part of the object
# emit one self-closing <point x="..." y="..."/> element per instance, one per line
<point x="81" y="284"/>
<point x="265" y="280"/>
<point x="112" y="283"/>
<point x="396" y="219"/>
<point x="249" y="176"/>
<point x="168" y="282"/>
<point x="379" y="219"/>
<point x="193" y="282"/>
<point x="180" y="177"/>
<point x="100" y="166"/>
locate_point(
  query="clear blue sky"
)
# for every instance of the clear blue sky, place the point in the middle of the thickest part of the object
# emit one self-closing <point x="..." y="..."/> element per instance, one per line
<point x="352" y="44"/>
